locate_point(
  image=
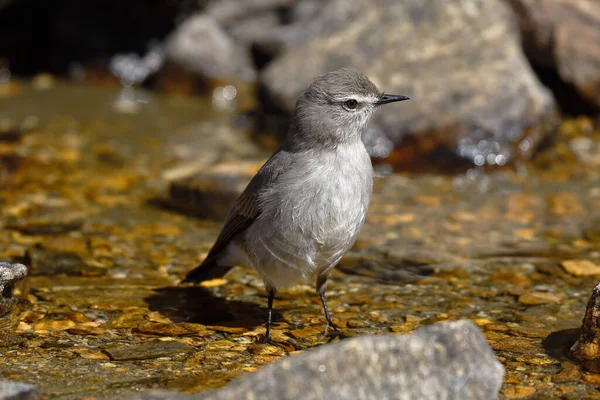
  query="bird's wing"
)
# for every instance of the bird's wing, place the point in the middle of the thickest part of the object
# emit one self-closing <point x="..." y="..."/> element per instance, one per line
<point x="247" y="208"/>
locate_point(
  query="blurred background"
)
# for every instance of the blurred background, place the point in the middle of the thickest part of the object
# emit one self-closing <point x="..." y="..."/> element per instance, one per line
<point x="491" y="81"/>
<point x="127" y="128"/>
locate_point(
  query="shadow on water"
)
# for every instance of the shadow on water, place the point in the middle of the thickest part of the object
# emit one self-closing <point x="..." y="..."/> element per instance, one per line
<point x="202" y="306"/>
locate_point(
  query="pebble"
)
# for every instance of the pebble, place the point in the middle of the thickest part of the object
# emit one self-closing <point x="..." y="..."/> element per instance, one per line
<point x="53" y="325"/>
<point x="518" y="391"/>
<point x="91" y="354"/>
<point x="581" y="267"/>
<point x="537" y="298"/>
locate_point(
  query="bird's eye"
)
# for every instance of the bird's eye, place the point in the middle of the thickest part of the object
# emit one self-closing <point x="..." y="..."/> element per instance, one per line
<point x="350" y="104"/>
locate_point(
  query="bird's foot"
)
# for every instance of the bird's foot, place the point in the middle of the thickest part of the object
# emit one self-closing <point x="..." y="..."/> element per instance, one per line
<point x="335" y="332"/>
<point x="266" y="339"/>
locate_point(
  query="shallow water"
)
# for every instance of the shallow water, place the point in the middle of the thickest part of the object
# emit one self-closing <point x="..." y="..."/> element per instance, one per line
<point x="101" y="313"/>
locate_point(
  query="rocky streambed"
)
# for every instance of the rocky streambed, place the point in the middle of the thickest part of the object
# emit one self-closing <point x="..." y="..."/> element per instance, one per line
<point x="85" y="206"/>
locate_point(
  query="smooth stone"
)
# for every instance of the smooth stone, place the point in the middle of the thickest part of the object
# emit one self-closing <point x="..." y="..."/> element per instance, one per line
<point x="449" y="360"/>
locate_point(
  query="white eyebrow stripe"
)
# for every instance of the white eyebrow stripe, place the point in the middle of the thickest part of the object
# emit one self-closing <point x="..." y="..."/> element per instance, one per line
<point x="360" y="98"/>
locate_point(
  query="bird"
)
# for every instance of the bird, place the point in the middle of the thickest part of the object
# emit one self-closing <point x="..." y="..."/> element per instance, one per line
<point x="304" y="208"/>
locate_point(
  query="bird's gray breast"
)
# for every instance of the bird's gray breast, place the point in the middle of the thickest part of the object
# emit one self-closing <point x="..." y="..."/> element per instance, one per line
<point x="314" y="212"/>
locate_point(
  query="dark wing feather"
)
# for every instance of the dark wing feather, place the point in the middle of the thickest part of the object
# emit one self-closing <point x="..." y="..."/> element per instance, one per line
<point x="245" y="210"/>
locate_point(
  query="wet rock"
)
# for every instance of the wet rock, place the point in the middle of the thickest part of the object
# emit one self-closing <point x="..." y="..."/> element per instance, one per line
<point x="591" y="228"/>
<point x="9" y="317"/>
<point x="10" y="390"/>
<point x="211" y="193"/>
<point x="43" y="262"/>
<point x="564" y="35"/>
<point x="49" y="221"/>
<point x="474" y="93"/>
<point x="569" y="373"/>
<point x="537" y="298"/>
<point x="449" y="360"/>
<point x="581" y="267"/>
<point x="147" y="351"/>
<point x="201" y="46"/>
<point x="518" y="391"/>
<point x="587" y="347"/>
<point x="9" y="274"/>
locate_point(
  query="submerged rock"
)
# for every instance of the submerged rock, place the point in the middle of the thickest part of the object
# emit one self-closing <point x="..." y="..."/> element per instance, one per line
<point x="564" y="35"/>
<point x="449" y="360"/>
<point x="10" y="390"/>
<point x="474" y="93"/>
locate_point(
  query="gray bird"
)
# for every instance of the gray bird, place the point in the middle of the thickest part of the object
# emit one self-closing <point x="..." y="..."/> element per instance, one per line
<point x="305" y="207"/>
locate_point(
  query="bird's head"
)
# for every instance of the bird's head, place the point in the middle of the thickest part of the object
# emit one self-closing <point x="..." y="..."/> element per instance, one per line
<point x="336" y="108"/>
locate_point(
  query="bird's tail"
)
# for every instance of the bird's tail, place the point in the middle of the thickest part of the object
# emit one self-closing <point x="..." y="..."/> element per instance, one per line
<point x="209" y="269"/>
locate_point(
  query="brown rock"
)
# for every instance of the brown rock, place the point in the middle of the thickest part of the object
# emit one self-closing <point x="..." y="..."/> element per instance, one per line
<point x="269" y="350"/>
<point x="529" y="332"/>
<point x="569" y="373"/>
<point x="53" y="325"/>
<point x="581" y="267"/>
<point x="514" y="345"/>
<point x="91" y="354"/>
<point x="518" y="391"/>
<point x="228" y="329"/>
<point x="565" y="35"/>
<point x="310" y="331"/>
<point x="536" y="298"/>
<point x="156" y="328"/>
<point x="85" y="330"/>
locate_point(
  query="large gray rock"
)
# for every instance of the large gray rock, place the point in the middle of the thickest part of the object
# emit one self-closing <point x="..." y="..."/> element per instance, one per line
<point x="201" y="46"/>
<point x="459" y="60"/>
<point x="10" y="390"/>
<point x="270" y="27"/>
<point x="450" y="360"/>
<point x="565" y="35"/>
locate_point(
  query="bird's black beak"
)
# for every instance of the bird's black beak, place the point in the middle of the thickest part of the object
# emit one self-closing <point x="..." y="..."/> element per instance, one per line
<point x="390" y="98"/>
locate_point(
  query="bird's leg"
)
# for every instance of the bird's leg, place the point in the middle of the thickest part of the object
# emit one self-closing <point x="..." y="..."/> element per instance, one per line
<point x="271" y="295"/>
<point x="321" y="287"/>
